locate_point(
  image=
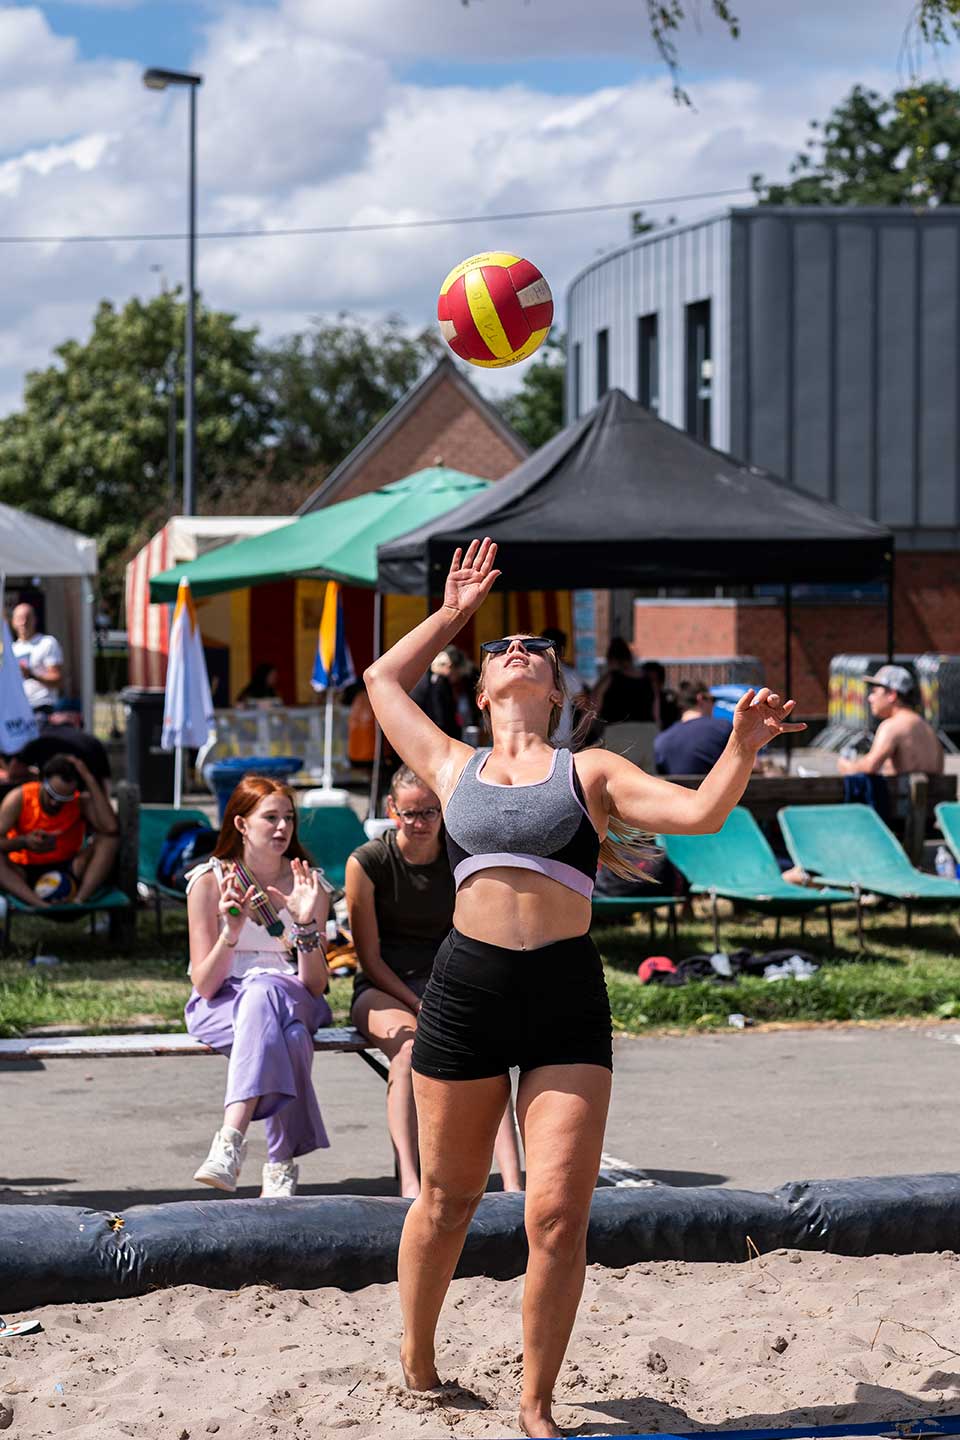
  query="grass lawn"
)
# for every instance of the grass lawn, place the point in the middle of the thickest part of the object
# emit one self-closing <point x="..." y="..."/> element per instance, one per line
<point x="909" y="973"/>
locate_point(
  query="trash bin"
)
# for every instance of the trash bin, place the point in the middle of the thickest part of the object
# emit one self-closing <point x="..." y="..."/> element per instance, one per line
<point x="148" y="766"/>
<point x="725" y="699"/>
<point x="222" y="775"/>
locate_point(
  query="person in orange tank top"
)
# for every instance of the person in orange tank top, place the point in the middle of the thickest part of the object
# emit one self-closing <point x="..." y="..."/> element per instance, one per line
<point x="47" y="824"/>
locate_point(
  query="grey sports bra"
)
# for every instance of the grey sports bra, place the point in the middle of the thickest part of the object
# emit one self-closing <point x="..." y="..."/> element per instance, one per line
<point x="544" y="826"/>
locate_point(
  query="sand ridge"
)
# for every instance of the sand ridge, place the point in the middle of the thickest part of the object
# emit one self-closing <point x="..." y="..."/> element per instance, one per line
<point x="788" y="1339"/>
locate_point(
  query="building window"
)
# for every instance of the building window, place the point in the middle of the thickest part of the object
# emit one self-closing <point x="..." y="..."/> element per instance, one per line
<point x="603" y="363"/>
<point x="648" y="363"/>
<point x="699" y="370"/>
<point x="577" y="350"/>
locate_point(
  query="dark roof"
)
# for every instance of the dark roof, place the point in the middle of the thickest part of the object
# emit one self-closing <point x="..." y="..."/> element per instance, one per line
<point x="329" y="489"/>
<point x="620" y="499"/>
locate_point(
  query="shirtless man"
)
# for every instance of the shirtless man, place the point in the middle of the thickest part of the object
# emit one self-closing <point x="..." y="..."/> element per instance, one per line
<point x="904" y="742"/>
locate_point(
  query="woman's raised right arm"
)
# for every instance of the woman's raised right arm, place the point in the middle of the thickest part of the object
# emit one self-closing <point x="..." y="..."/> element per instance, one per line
<point x="422" y="745"/>
<point x="211" y="941"/>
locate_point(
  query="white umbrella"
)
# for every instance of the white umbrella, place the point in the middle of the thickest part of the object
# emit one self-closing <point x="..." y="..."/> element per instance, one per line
<point x="187" y="703"/>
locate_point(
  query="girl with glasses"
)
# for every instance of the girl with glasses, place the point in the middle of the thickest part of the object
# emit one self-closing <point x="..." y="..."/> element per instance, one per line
<point x="518" y="980"/>
<point x="400" y="897"/>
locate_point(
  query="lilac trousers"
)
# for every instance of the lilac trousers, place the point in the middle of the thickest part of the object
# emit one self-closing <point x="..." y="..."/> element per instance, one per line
<point x="265" y="1024"/>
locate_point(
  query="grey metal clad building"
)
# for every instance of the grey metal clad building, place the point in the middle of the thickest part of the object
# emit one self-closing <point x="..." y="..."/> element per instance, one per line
<point x="819" y="343"/>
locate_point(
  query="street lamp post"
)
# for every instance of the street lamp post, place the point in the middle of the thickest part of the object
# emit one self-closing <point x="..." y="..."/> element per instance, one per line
<point x="159" y="80"/>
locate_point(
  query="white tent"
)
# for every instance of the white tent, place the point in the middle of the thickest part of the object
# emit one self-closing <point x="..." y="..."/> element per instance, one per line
<point x="64" y="563"/>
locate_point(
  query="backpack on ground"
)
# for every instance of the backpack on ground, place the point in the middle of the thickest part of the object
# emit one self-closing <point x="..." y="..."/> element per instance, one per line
<point x="188" y="843"/>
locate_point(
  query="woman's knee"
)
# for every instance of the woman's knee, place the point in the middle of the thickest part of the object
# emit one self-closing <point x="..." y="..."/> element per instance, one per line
<point x="555" y="1230"/>
<point x="402" y="1057"/>
<point x="448" y="1209"/>
<point x="260" y="992"/>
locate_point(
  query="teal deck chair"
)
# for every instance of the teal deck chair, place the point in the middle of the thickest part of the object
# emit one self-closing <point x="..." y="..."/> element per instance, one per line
<point x="850" y="845"/>
<point x="615" y="906"/>
<point x="155" y="824"/>
<point x="330" y="833"/>
<point x="108" y="898"/>
<point x="948" y="818"/>
<point x="738" y="864"/>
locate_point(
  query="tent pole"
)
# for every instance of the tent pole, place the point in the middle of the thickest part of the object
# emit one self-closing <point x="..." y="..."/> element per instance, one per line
<point x="890" y="608"/>
<point x="788" y="656"/>
<point x="87" y="675"/>
<point x="374" y="800"/>
<point x="178" y="777"/>
<point x="326" y="779"/>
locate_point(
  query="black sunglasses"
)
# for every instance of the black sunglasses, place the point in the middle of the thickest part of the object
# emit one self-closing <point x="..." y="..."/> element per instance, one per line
<point x="535" y="644"/>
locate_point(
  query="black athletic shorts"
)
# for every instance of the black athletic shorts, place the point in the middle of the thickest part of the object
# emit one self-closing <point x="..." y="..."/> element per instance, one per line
<point x="487" y="1008"/>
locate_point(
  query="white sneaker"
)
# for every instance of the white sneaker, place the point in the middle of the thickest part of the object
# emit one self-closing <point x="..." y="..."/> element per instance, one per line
<point x="279" y="1179"/>
<point x="222" y="1166"/>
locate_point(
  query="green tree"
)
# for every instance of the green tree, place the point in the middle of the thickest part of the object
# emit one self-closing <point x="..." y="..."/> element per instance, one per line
<point x="536" y="410"/>
<point x="331" y="384"/>
<point x="89" y="447"/>
<point x="878" y="150"/>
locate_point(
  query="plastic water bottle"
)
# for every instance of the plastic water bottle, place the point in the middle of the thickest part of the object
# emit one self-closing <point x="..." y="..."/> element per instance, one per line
<point x="944" y="863"/>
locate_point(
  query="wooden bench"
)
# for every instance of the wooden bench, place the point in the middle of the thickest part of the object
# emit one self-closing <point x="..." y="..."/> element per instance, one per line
<point x="339" y="1040"/>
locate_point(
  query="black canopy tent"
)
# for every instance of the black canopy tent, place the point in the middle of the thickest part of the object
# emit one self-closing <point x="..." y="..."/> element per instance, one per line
<point x="620" y="500"/>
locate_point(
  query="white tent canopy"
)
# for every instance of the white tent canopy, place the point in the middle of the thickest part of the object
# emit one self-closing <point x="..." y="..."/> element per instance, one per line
<point x="31" y="546"/>
<point x="65" y="564"/>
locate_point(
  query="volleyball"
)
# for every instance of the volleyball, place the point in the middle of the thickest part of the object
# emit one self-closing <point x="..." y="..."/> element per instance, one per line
<point x="495" y="309"/>
<point x="58" y="887"/>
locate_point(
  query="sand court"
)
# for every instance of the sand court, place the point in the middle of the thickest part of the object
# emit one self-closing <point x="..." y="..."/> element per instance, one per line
<point x="794" y="1338"/>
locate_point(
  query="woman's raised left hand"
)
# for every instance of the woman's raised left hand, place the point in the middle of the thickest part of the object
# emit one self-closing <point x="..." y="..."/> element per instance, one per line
<point x="760" y="716"/>
<point x="307" y="900"/>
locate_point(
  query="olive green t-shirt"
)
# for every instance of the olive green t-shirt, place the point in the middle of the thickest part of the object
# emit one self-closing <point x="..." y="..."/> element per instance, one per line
<point x="414" y="904"/>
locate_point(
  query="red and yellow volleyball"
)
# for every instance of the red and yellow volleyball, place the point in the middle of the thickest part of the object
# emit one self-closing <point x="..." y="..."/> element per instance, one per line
<point x="495" y="309"/>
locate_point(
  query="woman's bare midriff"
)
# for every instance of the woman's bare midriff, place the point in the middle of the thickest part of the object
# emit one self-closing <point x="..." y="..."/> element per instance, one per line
<point x="519" y="909"/>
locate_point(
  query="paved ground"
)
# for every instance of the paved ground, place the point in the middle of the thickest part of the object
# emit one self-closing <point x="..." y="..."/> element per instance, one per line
<point x="745" y="1109"/>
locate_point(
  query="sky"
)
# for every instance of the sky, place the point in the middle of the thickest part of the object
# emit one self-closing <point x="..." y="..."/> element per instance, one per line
<point x="349" y="112"/>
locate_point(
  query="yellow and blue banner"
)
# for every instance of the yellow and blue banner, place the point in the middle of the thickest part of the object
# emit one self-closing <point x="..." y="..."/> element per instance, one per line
<point x="332" y="667"/>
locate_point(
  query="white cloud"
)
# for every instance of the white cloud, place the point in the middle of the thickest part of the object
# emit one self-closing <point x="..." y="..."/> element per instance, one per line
<point x="303" y="121"/>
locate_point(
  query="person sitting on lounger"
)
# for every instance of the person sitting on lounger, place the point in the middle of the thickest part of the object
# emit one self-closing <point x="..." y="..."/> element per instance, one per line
<point x="904" y="742"/>
<point x="400" y="896"/>
<point x="60" y="836"/>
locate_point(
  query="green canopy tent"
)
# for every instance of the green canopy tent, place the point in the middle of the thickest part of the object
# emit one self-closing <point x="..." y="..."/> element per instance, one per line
<point x="337" y="543"/>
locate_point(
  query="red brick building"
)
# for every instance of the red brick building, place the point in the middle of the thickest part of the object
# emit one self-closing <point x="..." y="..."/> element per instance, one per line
<point x="926" y="618"/>
<point x="443" y="420"/>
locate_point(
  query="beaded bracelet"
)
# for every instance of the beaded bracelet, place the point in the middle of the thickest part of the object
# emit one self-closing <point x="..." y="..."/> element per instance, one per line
<point x="308" y="943"/>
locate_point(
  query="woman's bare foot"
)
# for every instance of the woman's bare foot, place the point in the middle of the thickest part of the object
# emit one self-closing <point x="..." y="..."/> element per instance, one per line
<point x="538" y="1423"/>
<point x="419" y="1376"/>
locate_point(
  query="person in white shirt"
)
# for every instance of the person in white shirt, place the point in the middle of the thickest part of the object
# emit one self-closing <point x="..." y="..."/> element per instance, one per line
<point x="40" y="658"/>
